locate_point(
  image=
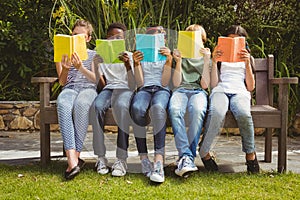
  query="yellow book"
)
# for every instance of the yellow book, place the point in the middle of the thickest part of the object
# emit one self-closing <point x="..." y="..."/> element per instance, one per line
<point x="67" y="44"/>
<point x="190" y="43"/>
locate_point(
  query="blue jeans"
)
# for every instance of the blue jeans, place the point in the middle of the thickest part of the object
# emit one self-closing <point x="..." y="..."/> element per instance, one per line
<point x="119" y="101"/>
<point x="240" y="107"/>
<point x="73" y="115"/>
<point x="195" y="103"/>
<point x="149" y="104"/>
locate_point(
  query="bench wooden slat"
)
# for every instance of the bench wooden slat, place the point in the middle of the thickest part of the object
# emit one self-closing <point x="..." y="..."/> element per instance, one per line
<point x="284" y="80"/>
<point x="51" y="111"/>
<point x="269" y="114"/>
<point x="43" y="79"/>
<point x="259" y="121"/>
<point x="261" y="64"/>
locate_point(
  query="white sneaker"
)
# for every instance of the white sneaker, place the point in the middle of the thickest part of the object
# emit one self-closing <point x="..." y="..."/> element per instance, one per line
<point x="158" y="174"/>
<point x="119" y="168"/>
<point x="101" y="166"/>
<point x="147" y="167"/>
<point x="185" y="165"/>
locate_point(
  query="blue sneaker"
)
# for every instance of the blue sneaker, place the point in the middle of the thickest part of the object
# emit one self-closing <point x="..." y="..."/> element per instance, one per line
<point x="147" y="167"/>
<point x="158" y="174"/>
<point x="185" y="165"/>
<point x="119" y="168"/>
<point x="101" y="166"/>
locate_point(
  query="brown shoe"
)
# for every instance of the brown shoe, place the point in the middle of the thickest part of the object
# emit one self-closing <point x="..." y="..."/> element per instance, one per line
<point x="210" y="164"/>
<point x="252" y="166"/>
<point x="71" y="174"/>
<point x="81" y="163"/>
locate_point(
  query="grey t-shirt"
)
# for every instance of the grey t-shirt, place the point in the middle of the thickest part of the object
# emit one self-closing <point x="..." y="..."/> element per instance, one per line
<point x="153" y="72"/>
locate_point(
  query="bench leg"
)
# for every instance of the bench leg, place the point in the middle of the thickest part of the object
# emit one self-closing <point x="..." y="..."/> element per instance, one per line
<point x="64" y="152"/>
<point x="45" y="144"/>
<point x="282" y="154"/>
<point x="268" y="145"/>
<point x="282" y="146"/>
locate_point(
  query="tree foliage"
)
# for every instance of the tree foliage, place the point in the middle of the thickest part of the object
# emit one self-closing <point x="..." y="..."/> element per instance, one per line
<point x="24" y="46"/>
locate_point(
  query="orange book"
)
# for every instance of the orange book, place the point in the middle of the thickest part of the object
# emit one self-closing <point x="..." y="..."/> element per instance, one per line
<point x="230" y="48"/>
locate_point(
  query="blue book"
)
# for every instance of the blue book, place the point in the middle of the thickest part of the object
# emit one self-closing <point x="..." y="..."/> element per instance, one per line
<point x="149" y="45"/>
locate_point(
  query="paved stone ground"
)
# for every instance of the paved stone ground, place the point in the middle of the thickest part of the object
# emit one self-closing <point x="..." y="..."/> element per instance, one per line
<point x="22" y="147"/>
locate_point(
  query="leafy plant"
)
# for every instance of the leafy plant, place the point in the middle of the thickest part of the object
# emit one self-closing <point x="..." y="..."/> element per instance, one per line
<point x="24" y="46"/>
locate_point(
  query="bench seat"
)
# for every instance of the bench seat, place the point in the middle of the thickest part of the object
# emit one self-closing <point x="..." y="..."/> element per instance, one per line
<point x="264" y="113"/>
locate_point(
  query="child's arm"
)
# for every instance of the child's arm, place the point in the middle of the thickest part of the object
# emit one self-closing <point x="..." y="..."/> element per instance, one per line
<point x="131" y="81"/>
<point x="77" y="63"/>
<point x="100" y="79"/>
<point x="138" y="72"/>
<point x="177" y="76"/>
<point x="214" y="76"/>
<point x="166" y="75"/>
<point x="101" y="83"/>
<point x="62" y="69"/>
<point x="250" y="81"/>
<point x="205" y="79"/>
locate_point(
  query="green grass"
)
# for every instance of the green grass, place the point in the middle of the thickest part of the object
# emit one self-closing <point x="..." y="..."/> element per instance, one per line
<point x="33" y="182"/>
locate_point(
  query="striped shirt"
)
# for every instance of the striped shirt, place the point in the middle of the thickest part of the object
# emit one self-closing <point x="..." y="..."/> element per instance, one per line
<point x="76" y="79"/>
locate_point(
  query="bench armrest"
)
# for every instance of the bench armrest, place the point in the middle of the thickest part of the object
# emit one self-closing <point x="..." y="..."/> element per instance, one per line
<point x="284" y="80"/>
<point x="283" y="94"/>
<point x="44" y="83"/>
<point x="283" y="91"/>
<point x="43" y="79"/>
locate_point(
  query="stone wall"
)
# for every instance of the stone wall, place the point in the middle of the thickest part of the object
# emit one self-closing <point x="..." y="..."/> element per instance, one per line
<point x="25" y="116"/>
<point x="21" y="115"/>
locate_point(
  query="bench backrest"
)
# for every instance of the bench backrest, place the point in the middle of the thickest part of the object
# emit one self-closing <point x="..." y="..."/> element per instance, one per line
<point x="264" y="70"/>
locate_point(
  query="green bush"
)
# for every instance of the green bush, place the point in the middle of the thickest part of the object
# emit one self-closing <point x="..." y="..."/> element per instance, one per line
<point x="24" y="47"/>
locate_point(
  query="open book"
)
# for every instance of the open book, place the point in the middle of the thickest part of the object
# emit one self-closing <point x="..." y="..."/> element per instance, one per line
<point x="68" y="44"/>
<point x="150" y="45"/>
<point x="190" y="43"/>
<point x="110" y="50"/>
<point x="230" y="48"/>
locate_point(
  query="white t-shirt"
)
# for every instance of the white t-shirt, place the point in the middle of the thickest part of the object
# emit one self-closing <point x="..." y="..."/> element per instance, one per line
<point x="232" y="78"/>
<point x="115" y="74"/>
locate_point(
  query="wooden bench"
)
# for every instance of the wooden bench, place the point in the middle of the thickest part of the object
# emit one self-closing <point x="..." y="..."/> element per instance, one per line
<point x="263" y="113"/>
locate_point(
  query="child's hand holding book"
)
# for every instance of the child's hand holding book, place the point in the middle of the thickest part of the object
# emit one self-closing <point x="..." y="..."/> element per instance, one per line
<point x="125" y="58"/>
<point x="177" y="55"/>
<point x="165" y="51"/>
<point x="205" y="52"/>
<point x="76" y="61"/>
<point x="245" y="55"/>
<point x="65" y="62"/>
<point x="137" y="56"/>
